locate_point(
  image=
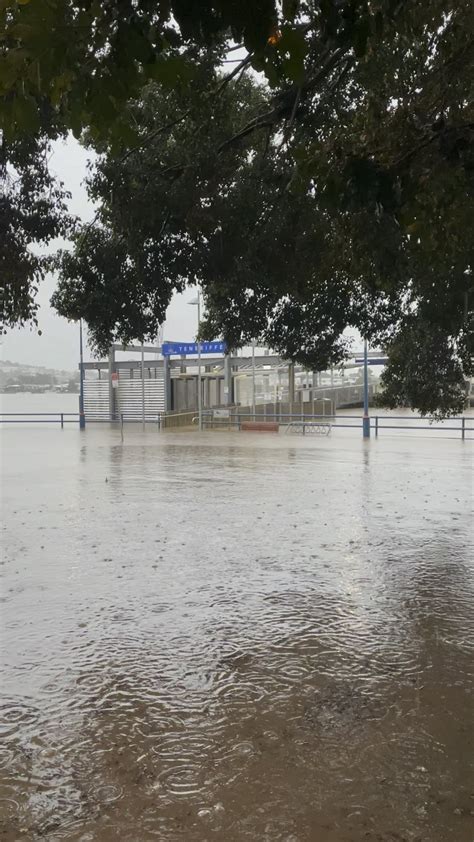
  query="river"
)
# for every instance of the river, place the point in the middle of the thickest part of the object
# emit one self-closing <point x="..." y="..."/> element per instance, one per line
<point x="235" y="637"/>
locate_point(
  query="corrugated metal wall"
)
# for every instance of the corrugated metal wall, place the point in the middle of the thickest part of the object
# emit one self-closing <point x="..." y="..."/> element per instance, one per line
<point x="96" y="399"/>
<point x="128" y="398"/>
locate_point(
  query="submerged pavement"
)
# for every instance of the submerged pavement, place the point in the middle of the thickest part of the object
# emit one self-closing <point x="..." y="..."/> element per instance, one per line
<point x="236" y="637"/>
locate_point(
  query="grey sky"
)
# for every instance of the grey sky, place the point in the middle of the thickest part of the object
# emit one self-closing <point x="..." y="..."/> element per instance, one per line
<point x="57" y="347"/>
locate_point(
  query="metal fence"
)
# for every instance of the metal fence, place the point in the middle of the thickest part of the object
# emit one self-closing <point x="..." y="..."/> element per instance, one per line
<point x="462" y="425"/>
<point x="61" y="418"/>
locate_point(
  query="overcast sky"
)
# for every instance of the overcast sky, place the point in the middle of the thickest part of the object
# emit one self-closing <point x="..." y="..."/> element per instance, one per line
<point x="58" y="346"/>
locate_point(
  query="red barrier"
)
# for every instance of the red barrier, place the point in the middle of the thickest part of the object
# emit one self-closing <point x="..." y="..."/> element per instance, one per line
<point x="260" y="426"/>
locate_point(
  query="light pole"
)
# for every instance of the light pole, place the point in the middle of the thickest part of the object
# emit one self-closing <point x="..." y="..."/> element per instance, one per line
<point x="366" y="419"/>
<point x="253" y="378"/>
<point x="197" y="302"/>
<point x="82" y="417"/>
<point x="143" y="387"/>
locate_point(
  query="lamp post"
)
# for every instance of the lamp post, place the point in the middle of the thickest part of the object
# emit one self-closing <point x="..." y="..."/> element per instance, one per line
<point x="197" y="302"/>
<point x="366" y="418"/>
<point x="253" y="378"/>
<point x="143" y="387"/>
<point x="82" y="417"/>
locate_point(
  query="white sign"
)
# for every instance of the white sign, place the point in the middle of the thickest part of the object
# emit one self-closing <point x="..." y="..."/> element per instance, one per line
<point x="221" y="413"/>
<point x="115" y="379"/>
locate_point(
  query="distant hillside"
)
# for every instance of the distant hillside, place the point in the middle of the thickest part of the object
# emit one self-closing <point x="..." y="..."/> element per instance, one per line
<point x="12" y="373"/>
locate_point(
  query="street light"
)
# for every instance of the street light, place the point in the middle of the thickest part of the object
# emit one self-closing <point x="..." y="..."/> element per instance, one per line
<point x="82" y="417"/>
<point x="366" y="419"/>
<point x="197" y="302"/>
<point x="253" y="378"/>
<point x="143" y="387"/>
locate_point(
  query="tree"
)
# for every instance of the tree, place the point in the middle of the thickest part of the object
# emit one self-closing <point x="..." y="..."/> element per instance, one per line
<point x="160" y="210"/>
<point x="32" y="212"/>
<point x="78" y="62"/>
<point x="339" y="198"/>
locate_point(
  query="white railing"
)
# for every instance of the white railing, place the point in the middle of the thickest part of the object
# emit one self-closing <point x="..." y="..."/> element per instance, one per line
<point x="314" y="428"/>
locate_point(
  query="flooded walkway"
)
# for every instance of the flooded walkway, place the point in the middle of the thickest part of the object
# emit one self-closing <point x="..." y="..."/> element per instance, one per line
<point x="234" y="637"/>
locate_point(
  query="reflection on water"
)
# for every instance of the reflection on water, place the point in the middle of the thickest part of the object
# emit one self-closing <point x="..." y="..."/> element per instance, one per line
<point x="235" y="638"/>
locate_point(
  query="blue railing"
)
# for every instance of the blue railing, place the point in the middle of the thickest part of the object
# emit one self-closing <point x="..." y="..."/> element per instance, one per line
<point x="39" y="418"/>
<point x="460" y="424"/>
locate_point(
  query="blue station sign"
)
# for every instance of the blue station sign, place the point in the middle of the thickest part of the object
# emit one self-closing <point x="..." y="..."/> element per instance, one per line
<point x="169" y="348"/>
<point x="373" y="360"/>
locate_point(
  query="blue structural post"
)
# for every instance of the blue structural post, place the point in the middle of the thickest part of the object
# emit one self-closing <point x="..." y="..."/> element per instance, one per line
<point x="167" y="379"/>
<point x="366" y="418"/>
<point x="82" y="417"/>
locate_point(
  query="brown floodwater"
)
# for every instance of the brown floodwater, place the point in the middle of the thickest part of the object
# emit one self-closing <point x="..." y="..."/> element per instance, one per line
<point x="236" y="637"/>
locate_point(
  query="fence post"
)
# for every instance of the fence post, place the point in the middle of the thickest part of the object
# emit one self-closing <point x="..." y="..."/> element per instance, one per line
<point x="376" y="425"/>
<point x="62" y="421"/>
<point x="463" y="428"/>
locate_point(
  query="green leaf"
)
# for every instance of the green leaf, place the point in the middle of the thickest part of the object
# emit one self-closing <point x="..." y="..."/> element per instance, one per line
<point x="25" y="114"/>
<point x="272" y="74"/>
<point x="330" y="17"/>
<point x="258" y="63"/>
<point x="293" y="46"/>
<point x="361" y="36"/>
<point x="171" y="71"/>
<point x="137" y="45"/>
<point x="379" y="24"/>
<point x="290" y="8"/>
<point x="11" y="68"/>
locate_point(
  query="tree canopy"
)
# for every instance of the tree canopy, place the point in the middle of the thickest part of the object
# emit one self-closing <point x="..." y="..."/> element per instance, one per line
<point x="78" y="62"/>
<point x="32" y="213"/>
<point x="340" y="194"/>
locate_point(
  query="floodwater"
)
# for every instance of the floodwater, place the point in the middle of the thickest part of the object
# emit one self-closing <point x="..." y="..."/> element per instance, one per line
<point x="236" y="637"/>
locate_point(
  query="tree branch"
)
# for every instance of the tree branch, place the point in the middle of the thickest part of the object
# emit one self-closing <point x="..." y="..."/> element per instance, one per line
<point x="411" y="153"/>
<point x="280" y="110"/>
<point x="241" y="66"/>
<point x="146" y="140"/>
<point x="162" y="129"/>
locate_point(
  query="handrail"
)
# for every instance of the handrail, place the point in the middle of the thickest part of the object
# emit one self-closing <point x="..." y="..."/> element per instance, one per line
<point x="39" y="418"/>
<point x="460" y="424"/>
<point x="318" y="426"/>
<point x="17" y="414"/>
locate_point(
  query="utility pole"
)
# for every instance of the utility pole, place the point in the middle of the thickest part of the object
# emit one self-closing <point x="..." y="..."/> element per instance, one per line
<point x="366" y="418"/>
<point x="82" y="417"/>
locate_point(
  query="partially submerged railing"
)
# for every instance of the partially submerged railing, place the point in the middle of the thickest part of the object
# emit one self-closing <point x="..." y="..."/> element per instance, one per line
<point x="314" y="428"/>
<point x="461" y="424"/>
<point x="295" y="422"/>
<point x="61" y="418"/>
